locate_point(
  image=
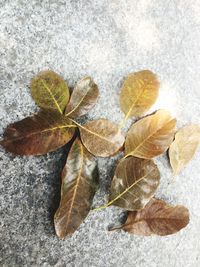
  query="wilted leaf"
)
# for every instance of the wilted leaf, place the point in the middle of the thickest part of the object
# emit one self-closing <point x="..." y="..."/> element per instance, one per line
<point x="101" y="137"/>
<point x="139" y="92"/>
<point x="83" y="98"/>
<point x="150" y="136"/>
<point x="50" y="91"/>
<point x="184" y="146"/>
<point x="157" y="218"/>
<point x="39" y="134"/>
<point x="134" y="183"/>
<point x="79" y="183"/>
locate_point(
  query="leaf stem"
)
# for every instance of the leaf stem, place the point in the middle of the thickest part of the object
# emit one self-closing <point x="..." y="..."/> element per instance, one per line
<point x="101" y="207"/>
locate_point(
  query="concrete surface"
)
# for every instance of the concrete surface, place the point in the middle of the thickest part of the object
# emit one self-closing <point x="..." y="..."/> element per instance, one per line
<point x="107" y="40"/>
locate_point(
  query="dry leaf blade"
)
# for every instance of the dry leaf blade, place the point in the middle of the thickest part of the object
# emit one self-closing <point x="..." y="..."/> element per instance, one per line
<point x="79" y="184"/>
<point x="182" y="150"/>
<point x="150" y="136"/>
<point x="134" y="183"/>
<point x="50" y="91"/>
<point x="37" y="135"/>
<point x="101" y="137"/>
<point x="157" y="218"/>
<point x="139" y="92"/>
<point x="83" y="98"/>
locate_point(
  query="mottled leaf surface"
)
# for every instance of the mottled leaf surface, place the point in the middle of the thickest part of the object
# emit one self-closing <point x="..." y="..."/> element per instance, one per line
<point x="39" y="134"/>
<point x="50" y="91"/>
<point x="79" y="184"/>
<point x="157" y="218"/>
<point x="150" y="136"/>
<point x="182" y="150"/>
<point x="134" y="183"/>
<point x="83" y="98"/>
<point x="101" y="137"/>
<point x="139" y="92"/>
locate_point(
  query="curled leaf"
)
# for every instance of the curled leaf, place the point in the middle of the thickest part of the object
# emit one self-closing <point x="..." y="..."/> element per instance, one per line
<point x="134" y="183"/>
<point x="139" y="92"/>
<point x="184" y="147"/>
<point x="150" y="136"/>
<point x="79" y="184"/>
<point x="50" y="91"/>
<point x="101" y="137"/>
<point x="83" y="98"/>
<point x="157" y="218"/>
<point x="37" y="135"/>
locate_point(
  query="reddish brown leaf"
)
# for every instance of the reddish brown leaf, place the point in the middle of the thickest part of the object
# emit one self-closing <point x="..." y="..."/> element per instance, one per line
<point x="157" y="218"/>
<point x="83" y="98"/>
<point x="39" y="134"/>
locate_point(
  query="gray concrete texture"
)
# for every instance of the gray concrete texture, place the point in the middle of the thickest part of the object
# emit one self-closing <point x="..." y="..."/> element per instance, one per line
<point x="106" y="40"/>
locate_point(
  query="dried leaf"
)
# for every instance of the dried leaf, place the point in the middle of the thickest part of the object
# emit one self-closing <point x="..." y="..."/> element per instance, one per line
<point x="39" y="134"/>
<point x="157" y="218"/>
<point x="139" y="92"/>
<point x="79" y="183"/>
<point x="134" y="183"/>
<point x="83" y="98"/>
<point x="101" y="137"/>
<point x="50" y="91"/>
<point x="184" y="147"/>
<point x="150" y="136"/>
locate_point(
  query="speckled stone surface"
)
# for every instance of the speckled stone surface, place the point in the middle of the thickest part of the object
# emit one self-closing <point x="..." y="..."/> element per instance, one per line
<point x="107" y="40"/>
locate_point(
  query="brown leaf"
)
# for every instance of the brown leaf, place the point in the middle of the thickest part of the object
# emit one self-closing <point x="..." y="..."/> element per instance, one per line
<point x="184" y="146"/>
<point x="139" y="92"/>
<point x="39" y="134"/>
<point x="157" y="218"/>
<point x="79" y="184"/>
<point x="150" y="136"/>
<point x="134" y="183"/>
<point x="50" y="91"/>
<point x="83" y="98"/>
<point x="101" y="137"/>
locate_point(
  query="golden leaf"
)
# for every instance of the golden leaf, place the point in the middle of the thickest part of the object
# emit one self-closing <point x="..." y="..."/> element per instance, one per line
<point x="150" y="136"/>
<point x="139" y="92"/>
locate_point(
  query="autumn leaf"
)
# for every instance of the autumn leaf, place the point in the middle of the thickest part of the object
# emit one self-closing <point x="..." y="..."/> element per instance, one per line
<point x="39" y="134"/>
<point x="83" y="98"/>
<point x="184" y="147"/>
<point x="150" y="136"/>
<point x="157" y="218"/>
<point x="79" y="184"/>
<point x="139" y="92"/>
<point x="50" y="91"/>
<point x="101" y="137"/>
<point x="134" y="183"/>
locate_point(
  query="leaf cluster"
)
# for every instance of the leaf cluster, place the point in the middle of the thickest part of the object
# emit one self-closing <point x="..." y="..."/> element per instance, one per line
<point x="136" y="176"/>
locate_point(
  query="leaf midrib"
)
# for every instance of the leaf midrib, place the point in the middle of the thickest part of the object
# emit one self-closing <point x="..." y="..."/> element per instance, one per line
<point x="76" y="186"/>
<point x="51" y="94"/>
